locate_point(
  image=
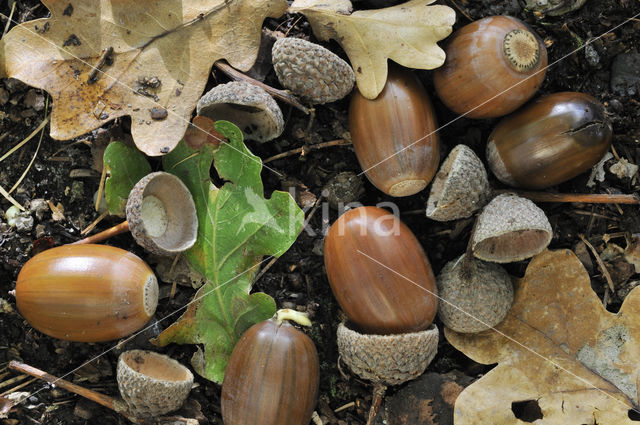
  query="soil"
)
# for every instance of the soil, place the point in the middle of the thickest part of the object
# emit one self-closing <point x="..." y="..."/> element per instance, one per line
<point x="63" y="173"/>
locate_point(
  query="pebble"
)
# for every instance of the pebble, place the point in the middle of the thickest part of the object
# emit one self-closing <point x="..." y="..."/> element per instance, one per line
<point x="38" y="207"/>
<point x="625" y="74"/>
<point x="592" y="56"/>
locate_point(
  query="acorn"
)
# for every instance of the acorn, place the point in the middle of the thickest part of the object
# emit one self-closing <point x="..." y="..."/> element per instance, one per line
<point x="394" y="135"/>
<point x="379" y="273"/>
<point x="152" y="384"/>
<point x="460" y="188"/>
<point x="273" y="375"/>
<point x="550" y="141"/>
<point x="493" y="66"/>
<point x="510" y="228"/>
<point x="86" y="293"/>
<point x="475" y="295"/>
<point x="310" y="71"/>
<point x="246" y="105"/>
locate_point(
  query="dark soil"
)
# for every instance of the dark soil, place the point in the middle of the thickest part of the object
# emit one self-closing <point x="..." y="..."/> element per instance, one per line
<point x="297" y="279"/>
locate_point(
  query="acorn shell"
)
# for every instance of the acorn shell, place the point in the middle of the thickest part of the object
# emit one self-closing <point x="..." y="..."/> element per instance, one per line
<point x="86" y="293"/>
<point x="493" y="66"/>
<point x="510" y="228"/>
<point x="387" y="359"/>
<point x="460" y="188"/>
<point x="310" y="71"/>
<point x="152" y="384"/>
<point x="379" y="273"/>
<point x="246" y="105"/>
<point x="272" y="377"/>
<point x="162" y="215"/>
<point x="474" y="295"/>
<point x="550" y="141"/>
<point x="394" y="135"/>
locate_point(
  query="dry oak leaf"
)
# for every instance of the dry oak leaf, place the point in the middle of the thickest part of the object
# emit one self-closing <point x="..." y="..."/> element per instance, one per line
<point x="153" y="59"/>
<point x="566" y="353"/>
<point x="406" y="33"/>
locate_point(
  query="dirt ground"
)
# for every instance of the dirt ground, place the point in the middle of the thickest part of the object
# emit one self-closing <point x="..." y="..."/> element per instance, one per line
<point x="62" y="172"/>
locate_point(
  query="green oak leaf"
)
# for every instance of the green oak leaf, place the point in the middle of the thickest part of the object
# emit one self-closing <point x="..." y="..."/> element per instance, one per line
<point x="237" y="228"/>
<point x="125" y="165"/>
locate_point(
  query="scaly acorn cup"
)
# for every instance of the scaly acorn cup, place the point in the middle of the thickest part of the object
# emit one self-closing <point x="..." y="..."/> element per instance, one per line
<point x="152" y="384"/>
<point x="273" y="375"/>
<point x="493" y="66"/>
<point x="551" y="140"/>
<point x="86" y="293"/>
<point x="394" y="135"/>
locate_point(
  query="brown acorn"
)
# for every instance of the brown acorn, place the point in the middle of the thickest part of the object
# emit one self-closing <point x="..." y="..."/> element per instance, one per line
<point x="272" y="377"/>
<point x="394" y="135"/>
<point x="379" y="273"/>
<point x="493" y="66"/>
<point x="86" y="293"/>
<point x="550" y="141"/>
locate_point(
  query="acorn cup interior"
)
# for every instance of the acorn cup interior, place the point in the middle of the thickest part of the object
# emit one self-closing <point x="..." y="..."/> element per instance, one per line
<point x="162" y="215"/>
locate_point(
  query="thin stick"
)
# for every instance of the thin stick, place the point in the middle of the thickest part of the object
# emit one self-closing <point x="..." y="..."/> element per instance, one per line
<point x="10" y="19"/>
<point x="284" y="96"/>
<point x="17" y="387"/>
<point x="12" y="381"/>
<point x="585" y="198"/>
<point x="105" y="234"/>
<point x="103" y="178"/>
<point x="461" y="10"/>
<point x="26" y="139"/>
<point x="376" y="401"/>
<point x="97" y="397"/>
<point x="605" y="272"/>
<point x="306" y="149"/>
<point x="94" y="223"/>
<point x="345" y="407"/>
<point x="33" y="158"/>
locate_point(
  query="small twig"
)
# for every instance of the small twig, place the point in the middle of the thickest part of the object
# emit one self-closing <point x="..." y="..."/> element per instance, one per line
<point x="462" y="11"/>
<point x="345" y="407"/>
<point x="12" y="380"/>
<point x="306" y="149"/>
<point x="284" y="96"/>
<point x="105" y="234"/>
<point x="94" y="223"/>
<point x="174" y="286"/>
<point x="376" y="401"/>
<point x="17" y="387"/>
<point x="605" y="272"/>
<point x="103" y="178"/>
<point x="9" y="19"/>
<point x="585" y="198"/>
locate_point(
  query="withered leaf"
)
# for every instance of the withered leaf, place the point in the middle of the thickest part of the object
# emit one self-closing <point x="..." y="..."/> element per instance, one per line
<point x="406" y="33"/>
<point x="151" y="57"/>
<point x="564" y="353"/>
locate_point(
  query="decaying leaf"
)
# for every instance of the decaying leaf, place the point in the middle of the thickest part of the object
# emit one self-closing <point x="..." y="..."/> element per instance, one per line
<point x="566" y="361"/>
<point x="152" y="59"/>
<point x="406" y="33"/>
<point x="237" y="227"/>
<point x="124" y="165"/>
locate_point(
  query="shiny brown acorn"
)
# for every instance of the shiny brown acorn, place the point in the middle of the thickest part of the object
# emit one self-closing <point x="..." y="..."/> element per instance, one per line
<point x="272" y="377"/>
<point x="550" y="141"/>
<point x="394" y="135"/>
<point x="379" y="273"/>
<point x="86" y="293"/>
<point x="493" y="66"/>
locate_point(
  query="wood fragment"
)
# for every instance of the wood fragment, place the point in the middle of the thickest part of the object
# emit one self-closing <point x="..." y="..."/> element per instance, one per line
<point x="307" y="148"/>
<point x="585" y="198"/>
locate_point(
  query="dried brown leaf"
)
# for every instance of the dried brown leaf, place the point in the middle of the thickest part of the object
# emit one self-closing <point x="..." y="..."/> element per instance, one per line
<point x="406" y="33"/>
<point x="161" y="56"/>
<point x="565" y="352"/>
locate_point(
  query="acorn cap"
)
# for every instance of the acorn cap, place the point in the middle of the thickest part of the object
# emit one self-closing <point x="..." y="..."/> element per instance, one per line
<point x="521" y="49"/>
<point x="387" y="359"/>
<point x="460" y="188"/>
<point x="310" y="71"/>
<point x="161" y="214"/>
<point x="510" y="228"/>
<point x="246" y="105"/>
<point x="152" y="384"/>
<point x="475" y="295"/>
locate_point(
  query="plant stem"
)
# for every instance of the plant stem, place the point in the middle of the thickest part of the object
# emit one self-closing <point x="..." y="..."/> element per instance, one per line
<point x="105" y="234"/>
<point x="587" y="198"/>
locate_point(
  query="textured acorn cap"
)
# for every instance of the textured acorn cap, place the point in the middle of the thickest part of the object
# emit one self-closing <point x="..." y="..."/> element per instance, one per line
<point x="460" y="188"/>
<point x="152" y="384"/>
<point x="475" y="295"/>
<point x="248" y="106"/>
<point x="387" y="359"/>
<point x="161" y="214"/>
<point x="510" y="228"/>
<point x="310" y="71"/>
<point x="521" y="49"/>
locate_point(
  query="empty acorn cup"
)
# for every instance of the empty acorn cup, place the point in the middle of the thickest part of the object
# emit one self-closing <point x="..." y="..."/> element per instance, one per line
<point x="248" y="106"/>
<point x="161" y="216"/>
<point x="152" y="384"/>
<point x="476" y="295"/>
<point x="510" y="228"/>
<point x="460" y="187"/>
